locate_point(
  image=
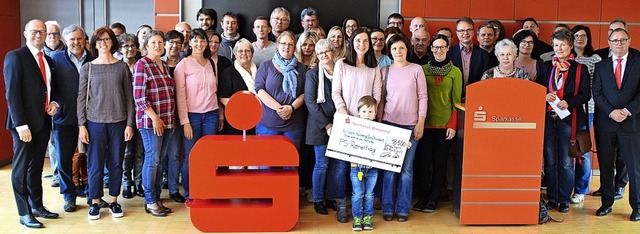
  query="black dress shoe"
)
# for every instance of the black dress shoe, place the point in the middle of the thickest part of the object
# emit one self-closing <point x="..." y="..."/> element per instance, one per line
<point x="126" y="192"/>
<point x="139" y="191"/>
<point x="596" y="193"/>
<point x="602" y="211"/>
<point x="635" y="215"/>
<point x="177" y="197"/>
<point x="563" y="208"/>
<point x="403" y="218"/>
<point x="387" y="217"/>
<point x="30" y="221"/>
<point x="44" y="213"/>
<point x="319" y="208"/>
<point x="619" y="193"/>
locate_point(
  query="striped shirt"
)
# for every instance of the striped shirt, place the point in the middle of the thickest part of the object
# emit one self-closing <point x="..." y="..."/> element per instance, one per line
<point x="153" y="88"/>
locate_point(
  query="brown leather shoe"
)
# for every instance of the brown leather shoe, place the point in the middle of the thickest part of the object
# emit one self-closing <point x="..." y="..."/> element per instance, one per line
<point x="154" y="210"/>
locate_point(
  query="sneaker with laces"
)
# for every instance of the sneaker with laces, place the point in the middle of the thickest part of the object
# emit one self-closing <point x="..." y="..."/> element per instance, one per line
<point x="577" y="198"/>
<point x="116" y="210"/>
<point x="367" y="222"/>
<point x="357" y="224"/>
<point x="94" y="212"/>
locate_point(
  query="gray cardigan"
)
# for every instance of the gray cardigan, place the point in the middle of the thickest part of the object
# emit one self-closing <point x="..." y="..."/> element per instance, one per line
<point x="110" y="97"/>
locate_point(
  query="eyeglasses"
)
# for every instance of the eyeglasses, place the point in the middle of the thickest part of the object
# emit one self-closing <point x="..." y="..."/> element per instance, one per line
<point x="286" y="44"/>
<point x="280" y="19"/>
<point x="35" y="32"/>
<point x="436" y="48"/>
<point x="103" y="40"/>
<point x="580" y="36"/>
<point x="529" y="43"/>
<point x="376" y="39"/>
<point x="469" y="30"/>
<point x="243" y="51"/>
<point x="326" y="52"/>
<point x="620" y="41"/>
<point x="128" y="47"/>
<point x="310" y="20"/>
<point x="55" y="34"/>
<point x="174" y="43"/>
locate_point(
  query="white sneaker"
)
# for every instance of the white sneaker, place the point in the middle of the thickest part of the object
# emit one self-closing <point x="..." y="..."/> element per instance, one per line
<point x="577" y="198"/>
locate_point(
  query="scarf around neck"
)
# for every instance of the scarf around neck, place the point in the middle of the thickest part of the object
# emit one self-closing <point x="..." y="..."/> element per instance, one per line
<point x="440" y="69"/>
<point x="288" y="67"/>
<point x="321" y="74"/>
<point x="249" y="79"/>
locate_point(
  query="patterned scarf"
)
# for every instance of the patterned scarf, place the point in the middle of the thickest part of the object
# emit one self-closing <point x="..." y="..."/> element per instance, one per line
<point x="288" y="67"/>
<point x="440" y="69"/>
<point x="560" y="69"/>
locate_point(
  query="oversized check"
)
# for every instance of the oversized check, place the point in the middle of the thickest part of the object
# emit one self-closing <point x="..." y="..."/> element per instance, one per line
<point x="368" y="142"/>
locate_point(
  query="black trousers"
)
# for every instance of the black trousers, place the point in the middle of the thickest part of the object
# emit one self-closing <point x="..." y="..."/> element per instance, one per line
<point x="26" y="174"/>
<point x="610" y="145"/>
<point x="621" y="177"/>
<point x="433" y="147"/>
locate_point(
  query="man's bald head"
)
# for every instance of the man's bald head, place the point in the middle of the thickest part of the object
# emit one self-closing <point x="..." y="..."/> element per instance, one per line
<point x="416" y="23"/>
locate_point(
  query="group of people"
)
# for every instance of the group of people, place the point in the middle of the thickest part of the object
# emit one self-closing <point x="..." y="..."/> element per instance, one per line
<point x="130" y="103"/>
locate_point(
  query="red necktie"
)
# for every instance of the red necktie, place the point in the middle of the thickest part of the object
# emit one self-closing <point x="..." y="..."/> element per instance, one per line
<point x="43" y="71"/>
<point x="618" y="72"/>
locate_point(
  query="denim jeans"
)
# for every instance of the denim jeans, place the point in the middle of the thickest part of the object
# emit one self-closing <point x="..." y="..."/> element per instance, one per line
<point x="202" y="124"/>
<point x="583" y="171"/>
<point x="155" y="149"/>
<point x="558" y="165"/>
<point x="362" y="197"/>
<point x="335" y="169"/>
<point x="403" y="191"/>
<point x="295" y="136"/>
<point x="171" y="162"/>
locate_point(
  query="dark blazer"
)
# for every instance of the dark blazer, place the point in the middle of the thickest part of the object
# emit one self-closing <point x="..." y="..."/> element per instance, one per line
<point x="320" y="114"/>
<point x="604" y="52"/>
<point x="67" y="87"/>
<point x="479" y="63"/>
<point x="26" y="91"/>
<point x="608" y="97"/>
<point x="584" y="93"/>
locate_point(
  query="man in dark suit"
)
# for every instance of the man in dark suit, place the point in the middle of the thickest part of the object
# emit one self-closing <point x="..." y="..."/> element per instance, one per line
<point x="28" y="78"/>
<point x="471" y="60"/>
<point x="65" y="129"/>
<point x="621" y="176"/>
<point x="616" y="92"/>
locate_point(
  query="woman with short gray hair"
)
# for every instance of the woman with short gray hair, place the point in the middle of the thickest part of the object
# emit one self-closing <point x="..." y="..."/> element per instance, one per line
<point x="506" y="52"/>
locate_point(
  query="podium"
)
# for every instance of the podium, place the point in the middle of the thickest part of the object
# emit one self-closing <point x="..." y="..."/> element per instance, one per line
<point x="502" y="159"/>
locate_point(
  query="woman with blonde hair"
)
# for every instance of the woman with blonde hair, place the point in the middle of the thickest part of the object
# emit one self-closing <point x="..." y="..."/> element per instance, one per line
<point x="338" y="46"/>
<point x="305" y="49"/>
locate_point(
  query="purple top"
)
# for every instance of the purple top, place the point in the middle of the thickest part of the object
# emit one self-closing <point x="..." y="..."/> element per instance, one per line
<point x="269" y="79"/>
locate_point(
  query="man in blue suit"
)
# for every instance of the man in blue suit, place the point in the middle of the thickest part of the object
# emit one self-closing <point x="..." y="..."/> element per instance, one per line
<point x="65" y="128"/>
<point x="28" y="79"/>
<point x="616" y="92"/>
<point x="472" y="60"/>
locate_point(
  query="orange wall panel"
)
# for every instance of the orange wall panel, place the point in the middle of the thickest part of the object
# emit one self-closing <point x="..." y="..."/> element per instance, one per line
<point x="579" y="10"/>
<point x="492" y="9"/>
<point x="451" y="9"/>
<point x="167" y="6"/>
<point x="413" y="8"/>
<point x="166" y="23"/>
<point x="626" y="9"/>
<point x="540" y="9"/>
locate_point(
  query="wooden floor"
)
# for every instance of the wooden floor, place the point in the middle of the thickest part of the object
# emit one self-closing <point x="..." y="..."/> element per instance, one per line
<point x="580" y="219"/>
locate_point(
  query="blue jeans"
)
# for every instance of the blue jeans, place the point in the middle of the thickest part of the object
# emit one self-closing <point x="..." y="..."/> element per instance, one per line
<point x="362" y="197"/>
<point x="106" y="147"/>
<point x="337" y="171"/>
<point x="583" y="171"/>
<point x="295" y="136"/>
<point x="403" y="191"/>
<point x="171" y="162"/>
<point x="558" y="165"/>
<point x="155" y="149"/>
<point x="202" y="124"/>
